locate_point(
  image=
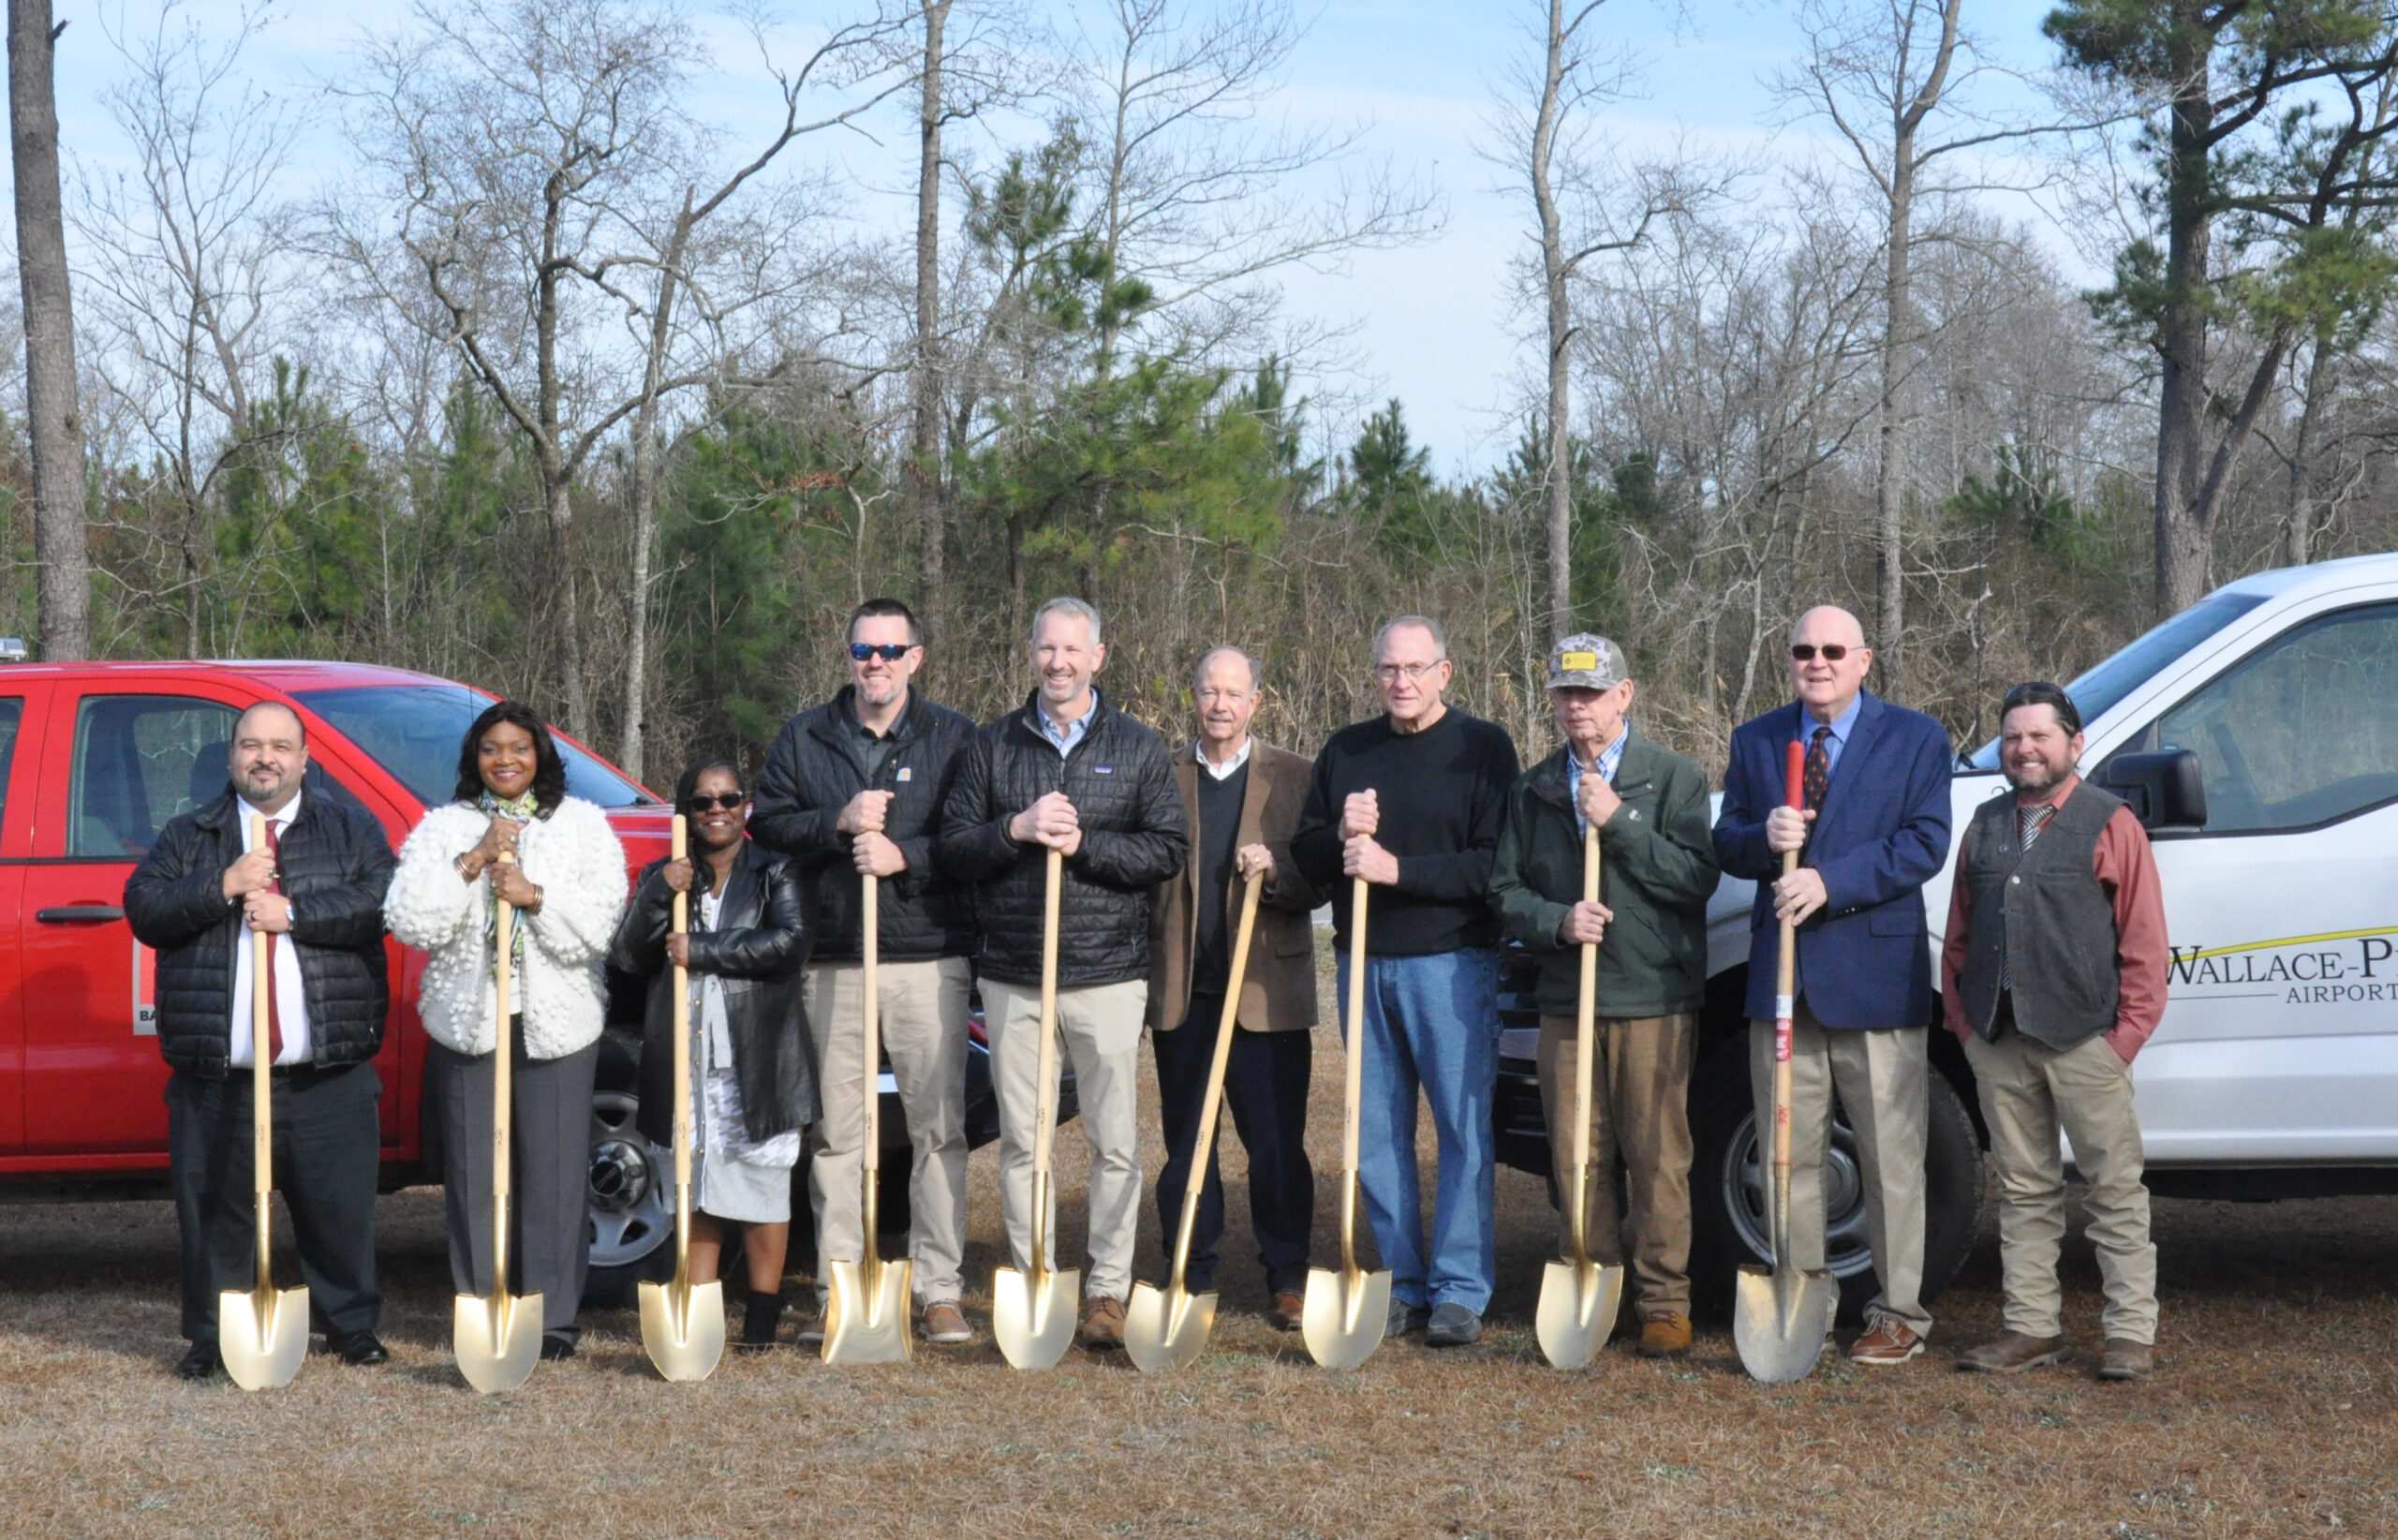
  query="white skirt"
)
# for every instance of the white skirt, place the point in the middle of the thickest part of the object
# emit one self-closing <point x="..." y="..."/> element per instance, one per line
<point x="733" y="1177"/>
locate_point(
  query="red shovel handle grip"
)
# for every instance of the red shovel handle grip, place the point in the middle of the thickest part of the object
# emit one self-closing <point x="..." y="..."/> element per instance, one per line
<point x="1796" y="778"/>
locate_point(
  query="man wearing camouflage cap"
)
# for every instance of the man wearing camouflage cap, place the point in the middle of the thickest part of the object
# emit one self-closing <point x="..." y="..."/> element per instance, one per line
<point x="1657" y="869"/>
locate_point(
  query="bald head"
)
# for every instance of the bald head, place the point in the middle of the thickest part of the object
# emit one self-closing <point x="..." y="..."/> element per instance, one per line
<point x="1827" y="661"/>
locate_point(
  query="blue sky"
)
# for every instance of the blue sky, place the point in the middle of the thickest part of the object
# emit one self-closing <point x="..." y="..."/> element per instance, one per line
<point x="1431" y="324"/>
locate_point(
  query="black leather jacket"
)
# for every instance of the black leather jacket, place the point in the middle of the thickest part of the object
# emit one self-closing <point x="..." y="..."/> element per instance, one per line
<point x="1135" y="834"/>
<point x="336" y="864"/>
<point x="813" y="771"/>
<point x="758" y="948"/>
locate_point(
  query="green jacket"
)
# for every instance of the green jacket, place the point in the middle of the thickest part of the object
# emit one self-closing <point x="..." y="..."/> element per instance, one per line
<point x="1656" y="871"/>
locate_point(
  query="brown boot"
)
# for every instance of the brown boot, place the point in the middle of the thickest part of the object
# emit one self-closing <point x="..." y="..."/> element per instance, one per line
<point x="1290" y="1309"/>
<point x="1666" y="1337"/>
<point x="2013" y="1353"/>
<point x="1103" y="1324"/>
<point x="2126" y="1359"/>
<point x="944" y="1324"/>
<point x="1886" y="1342"/>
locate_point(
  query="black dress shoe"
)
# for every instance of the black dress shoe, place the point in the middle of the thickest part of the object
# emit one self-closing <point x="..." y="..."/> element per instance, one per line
<point x="556" y="1348"/>
<point x="359" y="1349"/>
<point x="201" y="1363"/>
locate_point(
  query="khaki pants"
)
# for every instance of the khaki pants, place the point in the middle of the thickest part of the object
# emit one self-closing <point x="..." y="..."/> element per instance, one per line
<point x="1640" y="1087"/>
<point x="2029" y="1092"/>
<point x="923" y="1026"/>
<point x="1099" y="1027"/>
<point x="1883" y="1079"/>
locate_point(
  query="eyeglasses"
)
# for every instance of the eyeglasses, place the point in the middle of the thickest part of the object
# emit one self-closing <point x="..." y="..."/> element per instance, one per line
<point x="728" y="800"/>
<point x="1832" y="652"/>
<point x="1389" y="673"/>
<point x="890" y="652"/>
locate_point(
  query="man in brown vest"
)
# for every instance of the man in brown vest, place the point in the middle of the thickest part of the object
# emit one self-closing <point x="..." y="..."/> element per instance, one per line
<point x="1243" y="798"/>
<point x="2053" y="975"/>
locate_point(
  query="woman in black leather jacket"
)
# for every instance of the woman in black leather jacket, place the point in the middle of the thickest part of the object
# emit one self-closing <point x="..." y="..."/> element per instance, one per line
<point x="753" y="1088"/>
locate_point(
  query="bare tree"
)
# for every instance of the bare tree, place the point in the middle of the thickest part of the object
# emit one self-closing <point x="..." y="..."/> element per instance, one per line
<point x="60" y="542"/>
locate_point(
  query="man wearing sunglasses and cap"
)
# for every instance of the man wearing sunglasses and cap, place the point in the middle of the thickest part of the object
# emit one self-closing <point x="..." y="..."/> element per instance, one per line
<point x="854" y="788"/>
<point x="1656" y="871"/>
<point x="1873" y="829"/>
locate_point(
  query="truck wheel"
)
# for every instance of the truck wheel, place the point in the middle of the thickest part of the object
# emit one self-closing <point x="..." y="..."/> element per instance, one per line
<point x="1729" y="1223"/>
<point x="630" y="1197"/>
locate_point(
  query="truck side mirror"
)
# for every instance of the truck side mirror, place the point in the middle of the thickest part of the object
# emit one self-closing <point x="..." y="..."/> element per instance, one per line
<point x="2163" y="787"/>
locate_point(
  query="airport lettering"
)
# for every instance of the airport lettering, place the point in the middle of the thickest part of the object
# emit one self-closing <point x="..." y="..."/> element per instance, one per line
<point x="2317" y="976"/>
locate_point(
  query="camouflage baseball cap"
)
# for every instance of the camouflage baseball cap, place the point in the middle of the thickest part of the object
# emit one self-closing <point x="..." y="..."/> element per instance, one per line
<point x="1583" y="661"/>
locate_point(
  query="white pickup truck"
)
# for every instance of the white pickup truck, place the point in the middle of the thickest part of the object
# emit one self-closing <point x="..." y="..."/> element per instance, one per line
<point x="2248" y="733"/>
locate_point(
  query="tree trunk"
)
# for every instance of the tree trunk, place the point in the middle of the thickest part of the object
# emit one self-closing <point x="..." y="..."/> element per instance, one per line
<point x="926" y="388"/>
<point x="662" y="328"/>
<point x="1898" y="322"/>
<point x="1560" y="478"/>
<point x="2298" y="534"/>
<point x="61" y="549"/>
<point x="560" y="515"/>
<point x="2182" y="532"/>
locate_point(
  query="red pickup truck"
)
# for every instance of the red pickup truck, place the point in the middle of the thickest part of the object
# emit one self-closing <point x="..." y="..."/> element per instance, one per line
<point x="94" y="757"/>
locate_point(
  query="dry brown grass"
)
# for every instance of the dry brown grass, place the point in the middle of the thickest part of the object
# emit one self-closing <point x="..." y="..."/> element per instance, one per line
<point x="2272" y="1412"/>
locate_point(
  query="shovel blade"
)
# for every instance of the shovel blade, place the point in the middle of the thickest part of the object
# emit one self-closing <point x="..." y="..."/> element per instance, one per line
<point x="1033" y="1315"/>
<point x="498" y="1340"/>
<point x="682" y="1329"/>
<point x="1780" y="1318"/>
<point x="865" y="1316"/>
<point x="1344" y="1317"/>
<point x="263" y="1335"/>
<point x="1577" y="1309"/>
<point x="1166" y="1328"/>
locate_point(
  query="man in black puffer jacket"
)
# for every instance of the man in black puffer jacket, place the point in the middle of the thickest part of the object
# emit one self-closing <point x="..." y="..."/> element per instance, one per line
<point x="1069" y="771"/>
<point x="854" y="789"/>
<point x="315" y="889"/>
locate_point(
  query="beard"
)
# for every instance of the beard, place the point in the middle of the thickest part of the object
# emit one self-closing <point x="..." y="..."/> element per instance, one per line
<point x="2035" y="777"/>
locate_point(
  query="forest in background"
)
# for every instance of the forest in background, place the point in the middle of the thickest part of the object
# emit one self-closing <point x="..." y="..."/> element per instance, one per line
<point x="572" y="395"/>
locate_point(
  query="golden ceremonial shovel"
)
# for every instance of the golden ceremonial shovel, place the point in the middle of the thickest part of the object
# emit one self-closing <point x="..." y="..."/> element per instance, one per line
<point x="498" y="1338"/>
<point x="261" y="1331"/>
<point x="865" y="1315"/>
<point x="682" y="1322"/>
<point x="1347" y="1311"/>
<point x="1578" y="1299"/>
<point x="1032" y="1311"/>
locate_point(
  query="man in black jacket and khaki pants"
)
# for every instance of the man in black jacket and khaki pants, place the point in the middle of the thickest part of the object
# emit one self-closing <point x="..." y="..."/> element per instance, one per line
<point x="854" y="788"/>
<point x="314" y="887"/>
<point x="1069" y="771"/>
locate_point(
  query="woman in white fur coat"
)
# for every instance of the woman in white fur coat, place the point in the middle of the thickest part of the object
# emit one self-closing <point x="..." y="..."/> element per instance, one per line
<point x="567" y="883"/>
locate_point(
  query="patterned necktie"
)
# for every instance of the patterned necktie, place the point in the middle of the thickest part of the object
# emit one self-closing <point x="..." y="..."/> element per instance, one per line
<point x="1819" y="769"/>
<point x="273" y="1011"/>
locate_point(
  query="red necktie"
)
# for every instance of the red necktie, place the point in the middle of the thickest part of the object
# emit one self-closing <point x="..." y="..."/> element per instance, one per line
<point x="274" y="1014"/>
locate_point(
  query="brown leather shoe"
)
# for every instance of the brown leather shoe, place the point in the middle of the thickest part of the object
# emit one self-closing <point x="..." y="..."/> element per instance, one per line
<point x="945" y="1324"/>
<point x="1290" y="1309"/>
<point x="1664" y="1337"/>
<point x="1886" y="1343"/>
<point x="1103" y="1324"/>
<point x="2013" y="1353"/>
<point x="2126" y="1359"/>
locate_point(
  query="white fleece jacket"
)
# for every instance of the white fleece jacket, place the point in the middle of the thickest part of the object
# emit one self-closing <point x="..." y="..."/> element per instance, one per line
<point x="575" y="858"/>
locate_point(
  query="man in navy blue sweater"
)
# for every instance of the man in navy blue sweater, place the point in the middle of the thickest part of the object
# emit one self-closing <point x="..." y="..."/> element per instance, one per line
<point x="1874" y="830"/>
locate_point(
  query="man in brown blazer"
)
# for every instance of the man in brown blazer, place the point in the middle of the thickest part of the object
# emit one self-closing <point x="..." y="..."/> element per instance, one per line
<point x="1243" y="798"/>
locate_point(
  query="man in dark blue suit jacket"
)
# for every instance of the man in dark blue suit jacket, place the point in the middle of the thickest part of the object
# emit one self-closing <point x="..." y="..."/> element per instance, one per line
<point x="1875" y="830"/>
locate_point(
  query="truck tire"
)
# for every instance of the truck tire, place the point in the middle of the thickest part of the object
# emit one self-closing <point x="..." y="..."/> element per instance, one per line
<point x="630" y="1198"/>
<point x="1728" y="1218"/>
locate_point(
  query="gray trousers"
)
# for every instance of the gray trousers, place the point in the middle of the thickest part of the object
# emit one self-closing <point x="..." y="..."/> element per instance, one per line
<point x="549" y="1245"/>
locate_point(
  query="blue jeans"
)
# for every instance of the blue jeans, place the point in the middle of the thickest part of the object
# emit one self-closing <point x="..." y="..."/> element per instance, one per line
<point x="1432" y="1023"/>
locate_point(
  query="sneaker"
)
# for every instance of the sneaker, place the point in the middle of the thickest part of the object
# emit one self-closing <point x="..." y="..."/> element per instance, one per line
<point x="1453" y="1325"/>
<point x="945" y="1324"/>
<point x="2126" y="1359"/>
<point x="1290" y="1309"/>
<point x="1405" y="1318"/>
<point x="1886" y="1342"/>
<point x="2013" y="1353"/>
<point x="1666" y="1337"/>
<point x="1103" y="1324"/>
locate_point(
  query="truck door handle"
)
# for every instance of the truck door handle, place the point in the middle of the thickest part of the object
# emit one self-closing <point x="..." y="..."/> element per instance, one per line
<point x="79" y="914"/>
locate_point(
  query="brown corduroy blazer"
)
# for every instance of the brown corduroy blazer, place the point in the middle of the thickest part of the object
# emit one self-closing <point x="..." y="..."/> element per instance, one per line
<point x="1279" y="994"/>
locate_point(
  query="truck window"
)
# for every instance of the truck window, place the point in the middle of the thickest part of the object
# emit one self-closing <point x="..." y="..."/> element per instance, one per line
<point x="413" y="731"/>
<point x="12" y="713"/>
<point x="2296" y="734"/>
<point x="140" y="759"/>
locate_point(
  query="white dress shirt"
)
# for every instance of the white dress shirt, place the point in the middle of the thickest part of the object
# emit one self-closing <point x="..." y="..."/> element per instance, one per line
<point x="291" y="998"/>
<point x="1231" y="766"/>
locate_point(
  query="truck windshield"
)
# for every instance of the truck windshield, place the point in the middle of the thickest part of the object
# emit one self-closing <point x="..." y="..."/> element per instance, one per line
<point x="413" y="731"/>
<point x="2096" y="692"/>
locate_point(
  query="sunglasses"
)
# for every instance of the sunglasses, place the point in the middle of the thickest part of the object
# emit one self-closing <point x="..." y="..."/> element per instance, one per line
<point x="890" y="652"/>
<point x="1803" y="653"/>
<point x="728" y="800"/>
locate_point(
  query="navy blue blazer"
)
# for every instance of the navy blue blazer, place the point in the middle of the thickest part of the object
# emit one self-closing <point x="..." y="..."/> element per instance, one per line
<point x="1864" y="959"/>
